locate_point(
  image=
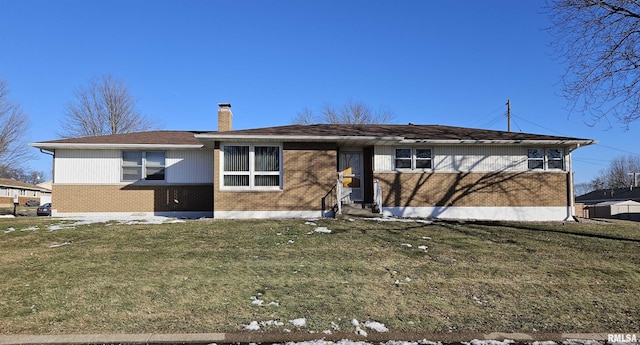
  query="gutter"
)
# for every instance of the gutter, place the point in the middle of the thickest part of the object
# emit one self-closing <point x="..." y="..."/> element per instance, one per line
<point x="52" y="146"/>
<point x="390" y="139"/>
<point x="47" y="153"/>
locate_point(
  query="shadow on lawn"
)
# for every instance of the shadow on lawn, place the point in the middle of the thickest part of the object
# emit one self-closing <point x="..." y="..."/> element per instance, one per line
<point x="482" y="225"/>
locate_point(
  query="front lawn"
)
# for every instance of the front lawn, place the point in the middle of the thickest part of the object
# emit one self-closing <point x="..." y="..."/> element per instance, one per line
<point x="211" y="276"/>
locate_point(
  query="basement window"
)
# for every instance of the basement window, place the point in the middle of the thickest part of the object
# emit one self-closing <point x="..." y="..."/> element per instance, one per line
<point x="251" y="167"/>
<point x="143" y="165"/>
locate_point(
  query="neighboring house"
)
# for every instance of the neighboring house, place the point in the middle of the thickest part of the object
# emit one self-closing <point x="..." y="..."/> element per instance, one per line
<point x="626" y="210"/>
<point x="610" y="194"/>
<point x="291" y="171"/>
<point x="609" y="203"/>
<point x="10" y="189"/>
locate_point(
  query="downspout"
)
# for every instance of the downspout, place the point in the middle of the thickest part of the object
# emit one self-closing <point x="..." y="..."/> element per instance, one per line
<point x="572" y="207"/>
<point x="53" y="164"/>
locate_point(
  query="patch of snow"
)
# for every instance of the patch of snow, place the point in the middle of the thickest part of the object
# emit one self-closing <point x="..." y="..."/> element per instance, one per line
<point x="57" y="245"/>
<point x="290" y="241"/>
<point x="9" y="230"/>
<point x="31" y="228"/>
<point x="301" y="322"/>
<point x="376" y="326"/>
<point x="478" y="300"/>
<point x="407" y="279"/>
<point x="272" y="323"/>
<point x="426" y="238"/>
<point x="252" y="326"/>
<point x="489" y="342"/>
<point x="256" y="301"/>
<point x="358" y="331"/>
<point x="7" y="216"/>
<point x="584" y="342"/>
<point x="548" y="342"/>
<point x="423" y="248"/>
<point x="406" y="245"/>
<point x="275" y="304"/>
<point x="323" y="230"/>
<point x="310" y="223"/>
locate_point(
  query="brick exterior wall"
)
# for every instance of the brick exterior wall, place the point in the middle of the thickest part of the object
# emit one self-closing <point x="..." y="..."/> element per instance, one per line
<point x="309" y="172"/>
<point x="473" y="189"/>
<point x="7" y="201"/>
<point x="132" y="198"/>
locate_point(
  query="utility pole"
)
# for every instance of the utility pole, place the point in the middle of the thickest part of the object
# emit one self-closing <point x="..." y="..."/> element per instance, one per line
<point x="508" y="115"/>
<point x="634" y="179"/>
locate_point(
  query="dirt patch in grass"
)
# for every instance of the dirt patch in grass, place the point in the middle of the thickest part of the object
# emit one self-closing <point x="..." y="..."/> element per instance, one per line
<point x="210" y="276"/>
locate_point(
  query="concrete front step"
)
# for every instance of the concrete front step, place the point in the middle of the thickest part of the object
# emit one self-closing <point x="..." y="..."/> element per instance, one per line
<point x="358" y="210"/>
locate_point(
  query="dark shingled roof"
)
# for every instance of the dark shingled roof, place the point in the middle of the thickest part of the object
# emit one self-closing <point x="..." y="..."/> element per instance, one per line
<point x="433" y="132"/>
<point x="143" y="138"/>
<point x="616" y="194"/>
<point x="410" y="132"/>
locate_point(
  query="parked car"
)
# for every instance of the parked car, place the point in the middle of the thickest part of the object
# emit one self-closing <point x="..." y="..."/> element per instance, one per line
<point x="44" y="210"/>
<point x="32" y="202"/>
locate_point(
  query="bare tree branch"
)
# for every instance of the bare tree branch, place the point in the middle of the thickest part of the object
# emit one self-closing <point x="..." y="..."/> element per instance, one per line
<point x="599" y="41"/>
<point x="14" y="124"/>
<point x="104" y="106"/>
<point x="352" y="112"/>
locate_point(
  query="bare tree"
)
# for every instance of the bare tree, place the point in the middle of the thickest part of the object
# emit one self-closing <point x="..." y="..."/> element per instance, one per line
<point x="352" y="112"/>
<point x="104" y="106"/>
<point x="599" y="41"/>
<point x="617" y="174"/>
<point x="14" y="124"/>
<point x="20" y="174"/>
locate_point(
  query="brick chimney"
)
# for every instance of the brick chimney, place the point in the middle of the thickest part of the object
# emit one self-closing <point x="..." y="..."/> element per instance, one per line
<point x="224" y="117"/>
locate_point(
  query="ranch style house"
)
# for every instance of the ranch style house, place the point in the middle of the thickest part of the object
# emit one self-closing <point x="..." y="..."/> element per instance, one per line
<point x="311" y="170"/>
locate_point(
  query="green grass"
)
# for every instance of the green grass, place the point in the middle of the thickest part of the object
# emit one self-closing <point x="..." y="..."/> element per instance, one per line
<point x="200" y="276"/>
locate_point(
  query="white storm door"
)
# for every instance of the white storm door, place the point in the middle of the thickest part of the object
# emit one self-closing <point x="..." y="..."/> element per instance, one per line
<point x="350" y="164"/>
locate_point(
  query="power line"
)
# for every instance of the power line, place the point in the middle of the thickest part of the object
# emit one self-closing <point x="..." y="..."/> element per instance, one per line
<point x="485" y="116"/>
<point x="564" y="134"/>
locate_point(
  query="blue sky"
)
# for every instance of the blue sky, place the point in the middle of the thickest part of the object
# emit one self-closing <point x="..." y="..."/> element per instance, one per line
<point x="431" y="62"/>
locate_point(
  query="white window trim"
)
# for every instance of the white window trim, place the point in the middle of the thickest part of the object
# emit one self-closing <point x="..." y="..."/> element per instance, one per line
<point x="143" y="178"/>
<point x="251" y="173"/>
<point x="545" y="159"/>
<point x="413" y="159"/>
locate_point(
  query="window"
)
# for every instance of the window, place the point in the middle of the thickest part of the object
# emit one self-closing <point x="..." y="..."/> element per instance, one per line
<point x="413" y="159"/>
<point x="403" y="158"/>
<point x="251" y="166"/>
<point x="553" y="159"/>
<point x="143" y="165"/>
<point x="535" y="159"/>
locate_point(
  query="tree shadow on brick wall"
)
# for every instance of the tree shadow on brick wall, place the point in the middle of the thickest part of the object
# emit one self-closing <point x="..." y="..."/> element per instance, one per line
<point x="504" y="184"/>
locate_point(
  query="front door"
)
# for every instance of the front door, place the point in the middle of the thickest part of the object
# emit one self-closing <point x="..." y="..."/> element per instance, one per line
<point x="350" y="164"/>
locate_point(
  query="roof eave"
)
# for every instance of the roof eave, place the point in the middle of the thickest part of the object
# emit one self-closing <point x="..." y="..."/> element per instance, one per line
<point x="53" y="146"/>
<point x="208" y="138"/>
<point x="567" y="142"/>
<point x="297" y="138"/>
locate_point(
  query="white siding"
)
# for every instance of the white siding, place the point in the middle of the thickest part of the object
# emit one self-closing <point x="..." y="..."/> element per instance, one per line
<point x="190" y="166"/>
<point x="480" y="159"/>
<point x="463" y="158"/>
<point x="87" y="166"/>
<point x="104" y="166"/>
